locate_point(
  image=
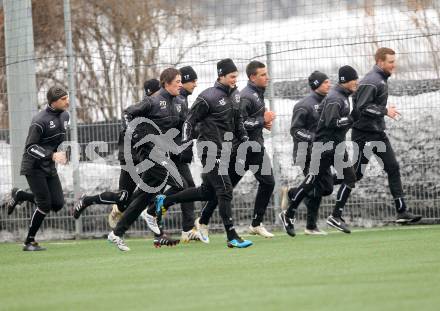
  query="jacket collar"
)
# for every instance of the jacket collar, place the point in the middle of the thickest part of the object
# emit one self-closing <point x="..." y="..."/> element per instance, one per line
<point x="165" y="94"/>
<point x="224" y="88"/>
<point x="260" y="90"/>
<point x="317" y="96"/>
<point x="53" y="110"/>
<point x="381" y="72"/>
<point x="184" y="92"/>
<point x="342" y="90"/>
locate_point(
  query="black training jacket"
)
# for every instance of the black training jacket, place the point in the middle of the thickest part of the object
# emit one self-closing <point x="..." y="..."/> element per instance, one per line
<point x="335" y="119"/>
<point x="252" y="111"/>
<point x="217" y="110"/>
<point x="370" y="101"/>
<point x="183" y="115"/>
<point x="305" y="118"/>
<point x="46" y="133"/>
<point x="163" y="109"/>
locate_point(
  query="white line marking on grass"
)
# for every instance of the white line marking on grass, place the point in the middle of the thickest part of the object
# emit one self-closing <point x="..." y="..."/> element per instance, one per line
<point x="410" y="227"/>
<point x="334" y="231"/>
<point x="63" y="243"/>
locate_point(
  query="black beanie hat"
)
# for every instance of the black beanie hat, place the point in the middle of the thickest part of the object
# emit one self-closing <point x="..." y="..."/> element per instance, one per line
<point x="225" y="66"/>
<point x="55" y="93"/>
<point x="316" y="79"/>
<point x="151" y="86"/>
<point x="188" y="74"/>
<point x="347" y="74"/>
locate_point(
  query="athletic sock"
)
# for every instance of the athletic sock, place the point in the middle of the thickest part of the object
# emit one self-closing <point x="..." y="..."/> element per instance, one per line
<point x="105" y="198"/>
<point x="90" y="200"/>
<point x="341" y="199"/>
<point x="312" y="203"/>
<point x="257" y="220"/>
<point x="230" y="232"/>
<point x="36" y="221"/>
<point x="400" y="205"/>
<point x="296" y="195"/>
<point x="204" y="220"/>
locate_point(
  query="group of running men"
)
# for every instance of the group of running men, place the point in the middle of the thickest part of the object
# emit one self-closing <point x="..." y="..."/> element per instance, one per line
<point x="155" y="149"/>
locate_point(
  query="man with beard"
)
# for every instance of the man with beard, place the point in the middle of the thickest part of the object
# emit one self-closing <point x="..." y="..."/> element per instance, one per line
<point x="370" y="108"/>
<point x="46" y="132"/>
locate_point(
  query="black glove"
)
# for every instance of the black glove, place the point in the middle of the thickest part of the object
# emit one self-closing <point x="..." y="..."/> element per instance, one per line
<point x="137" y="155"/>
<point x="344" y="122"/>
<point x="186" y="155"/>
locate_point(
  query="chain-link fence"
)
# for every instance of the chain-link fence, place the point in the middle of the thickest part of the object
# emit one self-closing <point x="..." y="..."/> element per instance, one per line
<point x="116" y="45"/>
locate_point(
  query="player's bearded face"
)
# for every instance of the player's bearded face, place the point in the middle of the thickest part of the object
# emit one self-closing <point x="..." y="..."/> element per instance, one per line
<point x="389" y="64"/>
<point x="61" y="104"/>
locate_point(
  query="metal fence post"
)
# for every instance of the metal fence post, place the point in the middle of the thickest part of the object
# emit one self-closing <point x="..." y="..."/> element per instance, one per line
<point x="273" y="133"/>
<point x="21" y="82"/>
<point x="73" y="113"/>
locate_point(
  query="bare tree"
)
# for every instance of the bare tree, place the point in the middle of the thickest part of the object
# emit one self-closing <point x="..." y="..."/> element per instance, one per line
<point x="428" y="28"/>
<point x="116" y="45"/>
<point x="120" y="41"/>
<point x="370" y="23"/>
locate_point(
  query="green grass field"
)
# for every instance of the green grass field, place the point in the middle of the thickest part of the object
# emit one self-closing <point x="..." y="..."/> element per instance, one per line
<point x="382" y="269"/>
